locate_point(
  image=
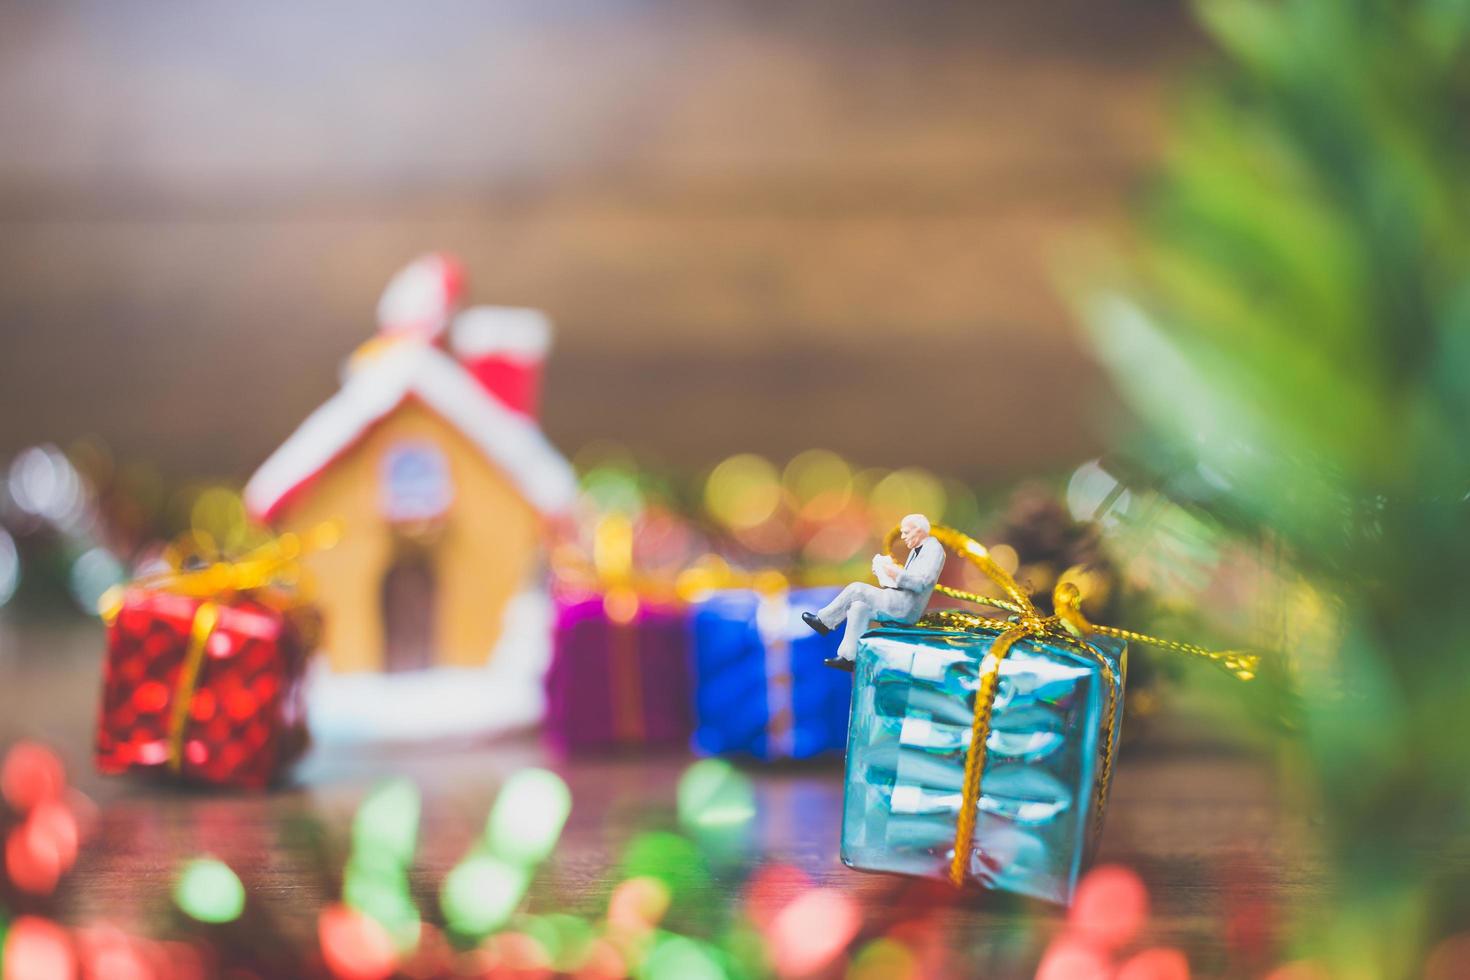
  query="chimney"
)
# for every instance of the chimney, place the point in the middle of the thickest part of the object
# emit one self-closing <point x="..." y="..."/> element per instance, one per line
<point x="504" y="347"/>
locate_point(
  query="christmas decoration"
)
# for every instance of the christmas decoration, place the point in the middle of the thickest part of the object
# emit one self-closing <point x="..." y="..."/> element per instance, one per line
<point x="982" y="749"/>
<point x="1290" y="326"/>
<point x="431" y="458"/>
<point x="619" y="673"/>
<point x="1048" y="757"/>
<point x="903" y="597"/>
<point x="760" y="688"/>
<point x="204" y="669"/>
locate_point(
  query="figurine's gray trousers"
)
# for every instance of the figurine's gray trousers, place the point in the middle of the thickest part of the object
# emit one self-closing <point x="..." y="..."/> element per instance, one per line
<point x="856" y="604"/>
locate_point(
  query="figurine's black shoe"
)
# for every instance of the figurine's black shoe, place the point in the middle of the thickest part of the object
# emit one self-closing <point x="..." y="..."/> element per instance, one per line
<point x="811" y="620"/>
<point x="841" y="663"/>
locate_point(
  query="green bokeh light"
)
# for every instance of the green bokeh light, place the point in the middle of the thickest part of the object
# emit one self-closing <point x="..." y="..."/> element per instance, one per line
<point x="670" y="858"/>
<point x="681" y="958"/>
<point x="207" y="890"/>
<point x="613" y="489"/>
<point x="387" y="824"/>
<point x="480" y="894"/>
<point x="385" y="898"/>
<point x="566" y="938"/>
<point x="714" y="795"/>
<point x="528" y="817"/>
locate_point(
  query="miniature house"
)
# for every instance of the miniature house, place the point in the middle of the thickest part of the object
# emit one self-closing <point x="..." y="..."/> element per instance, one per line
<point x="431" y="459"/>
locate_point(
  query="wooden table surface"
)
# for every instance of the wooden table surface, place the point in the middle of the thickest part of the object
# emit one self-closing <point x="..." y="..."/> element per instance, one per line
<point x="1198" y="817"/>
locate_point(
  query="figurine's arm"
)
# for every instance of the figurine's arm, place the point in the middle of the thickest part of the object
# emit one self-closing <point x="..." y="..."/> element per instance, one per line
<point x="885" y="570"/>
<point x="924" y="571"/>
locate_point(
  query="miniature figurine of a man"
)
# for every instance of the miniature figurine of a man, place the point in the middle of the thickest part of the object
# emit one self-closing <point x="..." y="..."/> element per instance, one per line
<point x="902" y="599"/>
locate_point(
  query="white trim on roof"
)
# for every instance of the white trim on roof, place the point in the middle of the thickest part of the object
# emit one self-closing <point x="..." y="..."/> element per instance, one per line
<point x="515" y="331"/>
<point x="509" y="440"/>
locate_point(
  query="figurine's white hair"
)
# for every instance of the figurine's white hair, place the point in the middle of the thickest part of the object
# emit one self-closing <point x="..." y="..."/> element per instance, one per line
<point x="917" y="519"/>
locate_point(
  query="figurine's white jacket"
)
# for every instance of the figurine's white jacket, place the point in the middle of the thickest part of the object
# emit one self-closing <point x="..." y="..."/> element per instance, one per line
<point x="909" y="597"/>
<point x="860" y="603"/>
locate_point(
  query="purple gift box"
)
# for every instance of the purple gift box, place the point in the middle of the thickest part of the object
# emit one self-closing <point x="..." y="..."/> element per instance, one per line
<point x="619" y="674"/>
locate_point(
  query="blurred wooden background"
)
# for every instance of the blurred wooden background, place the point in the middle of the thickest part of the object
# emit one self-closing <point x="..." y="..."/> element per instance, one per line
<point x="742" y="216"/>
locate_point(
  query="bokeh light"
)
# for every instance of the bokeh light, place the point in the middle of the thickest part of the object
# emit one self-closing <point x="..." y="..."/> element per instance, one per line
<point x="1110" y="906"/>
<point x="44" y="484"/>
<point x="672" y="859"/>
<point x="9" y="567"/>
<point x="637" y="905"/>
<point x="884" y="959"/>
<point x="839" y="539"/>
<point x="382" y="893"/>
<point x="386" y="826"/>
<point x="94" y="572"/>
<point x="906" y="491"/>
<point x="32" y="860"/>
<point x="713" y="794"/>
<point x="602" y="961"/>
<point x="528" y="816"/>
<point x="354" y="947"/>
<point x="1094" y="494"/>
<point x="1158" y="963"/>
<point x="743" y="491"/>
<point x="1074" y="959"/>
<point x="518" y="954"/>
<point x="621" y="605"/>
<point x="770" y="889"/>
<point x="612" y="547"/>
<point x="567" y="939"/>
<point x="220" y="513"/>
<point x="812" y="930"/>
<point x="613" y="489"/>
<point x="31" y="774"/>
<point x="209" y="891"/>
<point x="820" y="482"/>
<point x="107" y="953"/>
<point x="37" y="949"/>
<point x="480" y="894"/>
<point x="54" y="821"/>
<point x="681" y="958"/>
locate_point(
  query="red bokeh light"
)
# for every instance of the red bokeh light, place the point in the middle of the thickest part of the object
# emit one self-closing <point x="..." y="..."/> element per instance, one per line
<point x="354" y="947"/>
<point x="31" y="774"/>
<point x="1111" y="906"/>
<point x="603" y="962"/>
<point x="53" y="821"/>
<point x="811" y="930"/>
<point x="770" y="890"/>
<point x="32" y="861"/>
<point x="519" y="955"/>
<point x="1155" y="964"/>
<point x="38" y="949"/>
<point x="108" y="953"/>
<point x="1070" y="959"/>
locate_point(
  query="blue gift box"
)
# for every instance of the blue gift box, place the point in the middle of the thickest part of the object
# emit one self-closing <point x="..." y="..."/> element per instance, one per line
<point x="1041" y="789"/>
<point x="760" y="686"/>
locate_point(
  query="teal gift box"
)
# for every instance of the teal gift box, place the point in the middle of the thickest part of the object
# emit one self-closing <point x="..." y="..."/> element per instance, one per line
<point x="1055" y="719"/>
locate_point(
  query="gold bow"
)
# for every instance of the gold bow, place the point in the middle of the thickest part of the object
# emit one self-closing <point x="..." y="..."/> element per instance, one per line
<point x="275" y="564"/>
<point x="1068" y="627"/>
<point x="197" y="570"/>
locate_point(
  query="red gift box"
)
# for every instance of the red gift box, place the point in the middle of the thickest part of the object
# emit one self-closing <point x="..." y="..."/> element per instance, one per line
<point x="208" y="690"/>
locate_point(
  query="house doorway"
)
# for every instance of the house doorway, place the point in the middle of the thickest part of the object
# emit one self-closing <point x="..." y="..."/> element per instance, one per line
<point x="408" y="611"/>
